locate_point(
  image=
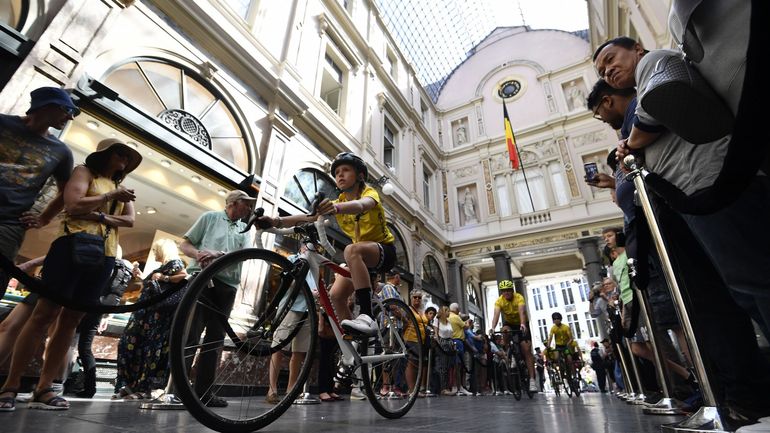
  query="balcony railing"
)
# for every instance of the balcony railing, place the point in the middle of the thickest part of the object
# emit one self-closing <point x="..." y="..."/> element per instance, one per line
<point x="535" y="218"/>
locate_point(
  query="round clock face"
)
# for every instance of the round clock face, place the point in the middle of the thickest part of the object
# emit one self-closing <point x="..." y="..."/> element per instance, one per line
<point x="509" y="89"/>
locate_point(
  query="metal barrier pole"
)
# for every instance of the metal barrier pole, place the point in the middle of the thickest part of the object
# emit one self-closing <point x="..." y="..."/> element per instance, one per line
<point x="629" y="393"/>
<point x="429" y="371"/>
<point x="305" y="397"/>
<point x="666" y="405"/>
<point x="706" y="419"/>
<point x="640" y="397"/>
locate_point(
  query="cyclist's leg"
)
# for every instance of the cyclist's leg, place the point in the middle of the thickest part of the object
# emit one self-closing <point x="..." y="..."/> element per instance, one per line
<point x="222" y="298"/>
<point x="526" y="349"/>
<point x="360" y="257"/>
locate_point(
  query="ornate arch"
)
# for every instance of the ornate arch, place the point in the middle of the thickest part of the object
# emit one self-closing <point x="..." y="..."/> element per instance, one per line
<point x="184" y="101"/>
<point x="402" y="254"/>
<point x="432" y="277"/>
<point x="305" y="183"/>
<point x="515" y="62"/>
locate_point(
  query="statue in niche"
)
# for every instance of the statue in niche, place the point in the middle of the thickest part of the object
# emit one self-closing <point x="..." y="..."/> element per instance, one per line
<point x="576" y="96"/>
<point x="461" y="136"/>
<point x="469" y="207"/>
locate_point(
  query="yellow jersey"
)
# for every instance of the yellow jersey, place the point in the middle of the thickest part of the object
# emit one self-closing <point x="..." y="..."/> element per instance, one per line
<point x="510" y="309"/>
<point x="409" y="332"/>
<point x="371" y="226"/>
<point x="561" y="334"/>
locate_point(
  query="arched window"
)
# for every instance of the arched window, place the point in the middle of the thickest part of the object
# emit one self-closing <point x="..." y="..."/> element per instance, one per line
<point x="14" y="13"/>
<point x="432" y="280"/>
<point x="470" y="293"/>
<point x="305" y="184"/>
<point x="185" y="103"/>
<point x="402" y="258"/>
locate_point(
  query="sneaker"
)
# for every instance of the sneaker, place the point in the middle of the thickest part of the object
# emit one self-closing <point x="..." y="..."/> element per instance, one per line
<point x="215" y="401"/>
<point x="362" y="324"/>
<point x="506" y="392"/>
<point x="478" y="394"/>
<point x="497" y="393"/>
<point x="464" y="392"/>
<point x="533" y="387"/>
<point x="447" y="392"/>
<point x="273" y="398"/>
<point x="357" y="394"/>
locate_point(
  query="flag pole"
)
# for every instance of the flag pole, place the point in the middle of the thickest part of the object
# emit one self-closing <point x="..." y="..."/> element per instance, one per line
<point x="521" y="163"/>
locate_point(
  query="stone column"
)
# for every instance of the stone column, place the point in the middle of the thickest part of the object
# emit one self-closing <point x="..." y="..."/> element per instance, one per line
<point x="502" y="265"/>
<point x="455" y="283"/>
<point x="589" y="248"/>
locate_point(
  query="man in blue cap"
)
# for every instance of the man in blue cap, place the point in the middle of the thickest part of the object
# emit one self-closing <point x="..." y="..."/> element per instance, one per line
<point x="29" y="155"/>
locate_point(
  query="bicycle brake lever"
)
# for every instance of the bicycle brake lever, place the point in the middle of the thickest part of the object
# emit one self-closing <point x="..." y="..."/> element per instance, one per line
<point x="319" y="197"/>
<point x="255" y="220"/>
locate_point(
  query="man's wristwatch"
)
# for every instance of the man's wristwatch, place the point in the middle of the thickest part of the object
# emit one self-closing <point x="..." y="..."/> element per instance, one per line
<point x="166" y="278"/>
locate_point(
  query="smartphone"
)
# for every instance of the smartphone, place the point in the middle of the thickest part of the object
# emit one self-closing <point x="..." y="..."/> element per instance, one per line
<point x="591" y="171"/>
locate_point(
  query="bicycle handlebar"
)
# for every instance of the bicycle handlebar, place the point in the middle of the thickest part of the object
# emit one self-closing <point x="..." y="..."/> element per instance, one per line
<point x="315" y="235"/>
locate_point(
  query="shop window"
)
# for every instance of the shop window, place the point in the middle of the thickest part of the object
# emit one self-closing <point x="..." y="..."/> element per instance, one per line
<point x="543" y="328"/>
<point x="566" y="293"/>
<point x="537" y="298"/>
<point x="427" y="186"/>
<point x="470" y="293"/>
<point x="503" y="201"/>
<point x="304" y="185"/>
<point x="574" y="325"/>
<point x="551" y="294"/>
<point x="402" y="258"/>
<point x="432" y="280"/>
<point x="185" y="103"/>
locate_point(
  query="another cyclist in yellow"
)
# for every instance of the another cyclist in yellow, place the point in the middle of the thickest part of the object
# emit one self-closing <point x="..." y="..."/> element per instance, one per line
<point x="360" y="215"/>
<point x="513" y="308"/>
<point x="561" y="335"/>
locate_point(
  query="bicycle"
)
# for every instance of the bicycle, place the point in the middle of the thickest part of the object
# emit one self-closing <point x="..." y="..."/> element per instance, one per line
<point x="562" y="373"/>
<point x="244" y="359"/>
<point x="519" y="367"/>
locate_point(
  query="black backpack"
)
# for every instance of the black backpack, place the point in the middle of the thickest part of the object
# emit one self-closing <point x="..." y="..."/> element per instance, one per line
<point x="121" y="276"/>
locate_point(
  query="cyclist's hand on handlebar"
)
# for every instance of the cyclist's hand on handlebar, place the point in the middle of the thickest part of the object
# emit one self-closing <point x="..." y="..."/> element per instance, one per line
<point x="326" y="207"/>
<point x="265" y="222"/>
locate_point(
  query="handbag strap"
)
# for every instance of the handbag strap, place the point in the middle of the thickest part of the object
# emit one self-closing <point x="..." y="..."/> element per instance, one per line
<point x="113" y="206"/>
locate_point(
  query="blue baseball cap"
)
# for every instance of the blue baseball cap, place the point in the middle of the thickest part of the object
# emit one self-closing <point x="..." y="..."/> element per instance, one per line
<point x="43" y="96"/>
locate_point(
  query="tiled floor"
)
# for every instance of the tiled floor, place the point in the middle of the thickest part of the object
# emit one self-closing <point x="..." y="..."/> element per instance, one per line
<point x="545" y="413"/>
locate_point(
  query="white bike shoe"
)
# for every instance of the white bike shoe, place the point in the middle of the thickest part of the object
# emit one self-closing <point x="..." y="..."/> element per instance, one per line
<point x="362" y="324"/>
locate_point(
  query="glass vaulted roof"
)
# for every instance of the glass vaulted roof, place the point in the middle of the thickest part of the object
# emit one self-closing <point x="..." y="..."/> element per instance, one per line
<point x="437" y="35"/>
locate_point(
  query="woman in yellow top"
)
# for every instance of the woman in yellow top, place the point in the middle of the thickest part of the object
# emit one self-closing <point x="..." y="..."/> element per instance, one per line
<point x="411" y="340"/>
<point x="361" y="216"/>
<point x="95" y="203"/>
<point x="561" y="334"/>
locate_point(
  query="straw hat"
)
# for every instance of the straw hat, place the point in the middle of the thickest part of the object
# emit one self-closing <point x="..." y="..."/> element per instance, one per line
<point x="98" y="158"/>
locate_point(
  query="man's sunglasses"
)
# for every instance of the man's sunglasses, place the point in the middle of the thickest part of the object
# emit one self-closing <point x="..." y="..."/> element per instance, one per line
<point x="70" y="110"/>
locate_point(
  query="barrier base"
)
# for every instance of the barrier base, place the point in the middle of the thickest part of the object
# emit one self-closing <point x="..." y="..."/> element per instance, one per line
<point x="306" y="398"/>
<point x="705" y="420"/>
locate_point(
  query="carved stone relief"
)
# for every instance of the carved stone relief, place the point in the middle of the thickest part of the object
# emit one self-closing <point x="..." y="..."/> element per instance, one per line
<point x="569" y="170"/>
<point x="488" y="187"/>
<point x="445" y="196"/>
<point x="575" y="94"/>
<point x="589" y="138"/>
<point x="468" y="171"/>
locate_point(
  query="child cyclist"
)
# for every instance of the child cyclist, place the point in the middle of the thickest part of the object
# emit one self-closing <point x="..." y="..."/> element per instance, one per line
<point x="561" y="335"/>
<point x="361" y="216"/>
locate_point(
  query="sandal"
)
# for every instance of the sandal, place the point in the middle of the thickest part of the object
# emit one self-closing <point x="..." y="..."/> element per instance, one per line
<point x="54" y="403"/>
<point x="8" y="404"/>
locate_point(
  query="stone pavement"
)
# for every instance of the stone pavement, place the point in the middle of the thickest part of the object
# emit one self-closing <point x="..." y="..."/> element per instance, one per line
<point x="546" y="413"/>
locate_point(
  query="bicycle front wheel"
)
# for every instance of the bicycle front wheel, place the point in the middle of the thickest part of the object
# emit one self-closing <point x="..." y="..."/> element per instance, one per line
<point x="394" y="371"/>
<point x="222" y="375"/>
<point x="515" y="380"/>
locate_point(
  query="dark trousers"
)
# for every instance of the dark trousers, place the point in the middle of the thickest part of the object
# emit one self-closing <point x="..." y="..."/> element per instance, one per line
<point x="86" y="332"/>
<point x="211" y="317"/>
<point x="541" y="378"/>
<point x="326" y="366"/>
<point x="601" y="377"/>
<point x="723" y="330"/>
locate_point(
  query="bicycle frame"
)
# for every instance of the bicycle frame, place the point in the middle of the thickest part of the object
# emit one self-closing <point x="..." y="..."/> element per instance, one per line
<point x="350" y="355"/>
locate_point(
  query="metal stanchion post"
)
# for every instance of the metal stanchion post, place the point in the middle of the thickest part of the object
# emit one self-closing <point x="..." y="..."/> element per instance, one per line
<point x="640" y="397"/>
<point x="305" y="397"/>
<point x="629" y="394"/>
<point x="707" y="418"/>
<point x="167" y="402"/>
<point x="666" y="405"/>
<point x="428" y="392"/>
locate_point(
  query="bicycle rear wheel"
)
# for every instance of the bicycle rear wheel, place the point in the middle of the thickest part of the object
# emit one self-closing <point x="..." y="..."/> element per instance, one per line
<point x="223" y="378"/>
<point x="400" y="365"/>
<point x="515" y="380"/>
<point x="565" y="378"/>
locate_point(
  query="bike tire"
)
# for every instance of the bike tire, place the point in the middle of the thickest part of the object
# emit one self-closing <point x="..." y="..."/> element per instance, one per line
<point x="554" y="381"/>
<point x="373" y="376"/>
<point x="565" y="379"/>
<point x="525" y="379"/>
<point x="248" y="340"/>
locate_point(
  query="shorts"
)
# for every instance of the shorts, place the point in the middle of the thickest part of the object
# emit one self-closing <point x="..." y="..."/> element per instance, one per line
<point x="81" y="283"/>
<point x="460" y="346"/>
<point x="301" y="341"/>
<point x="387" y="257"/>
<point x="412" y="348"/>
<point x="11" y="238"/>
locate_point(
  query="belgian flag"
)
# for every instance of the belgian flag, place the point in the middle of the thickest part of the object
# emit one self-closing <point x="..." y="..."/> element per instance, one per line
<point x="510" y="140"/>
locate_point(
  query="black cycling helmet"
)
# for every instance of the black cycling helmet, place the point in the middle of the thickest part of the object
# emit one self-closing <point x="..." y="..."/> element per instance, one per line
<point x="351" y="159"/>
<point x="556" y="316"/>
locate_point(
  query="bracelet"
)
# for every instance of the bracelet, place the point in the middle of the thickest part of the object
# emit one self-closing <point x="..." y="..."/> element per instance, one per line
<point x="278" y="222"/>
<point x="336" y="208"/>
